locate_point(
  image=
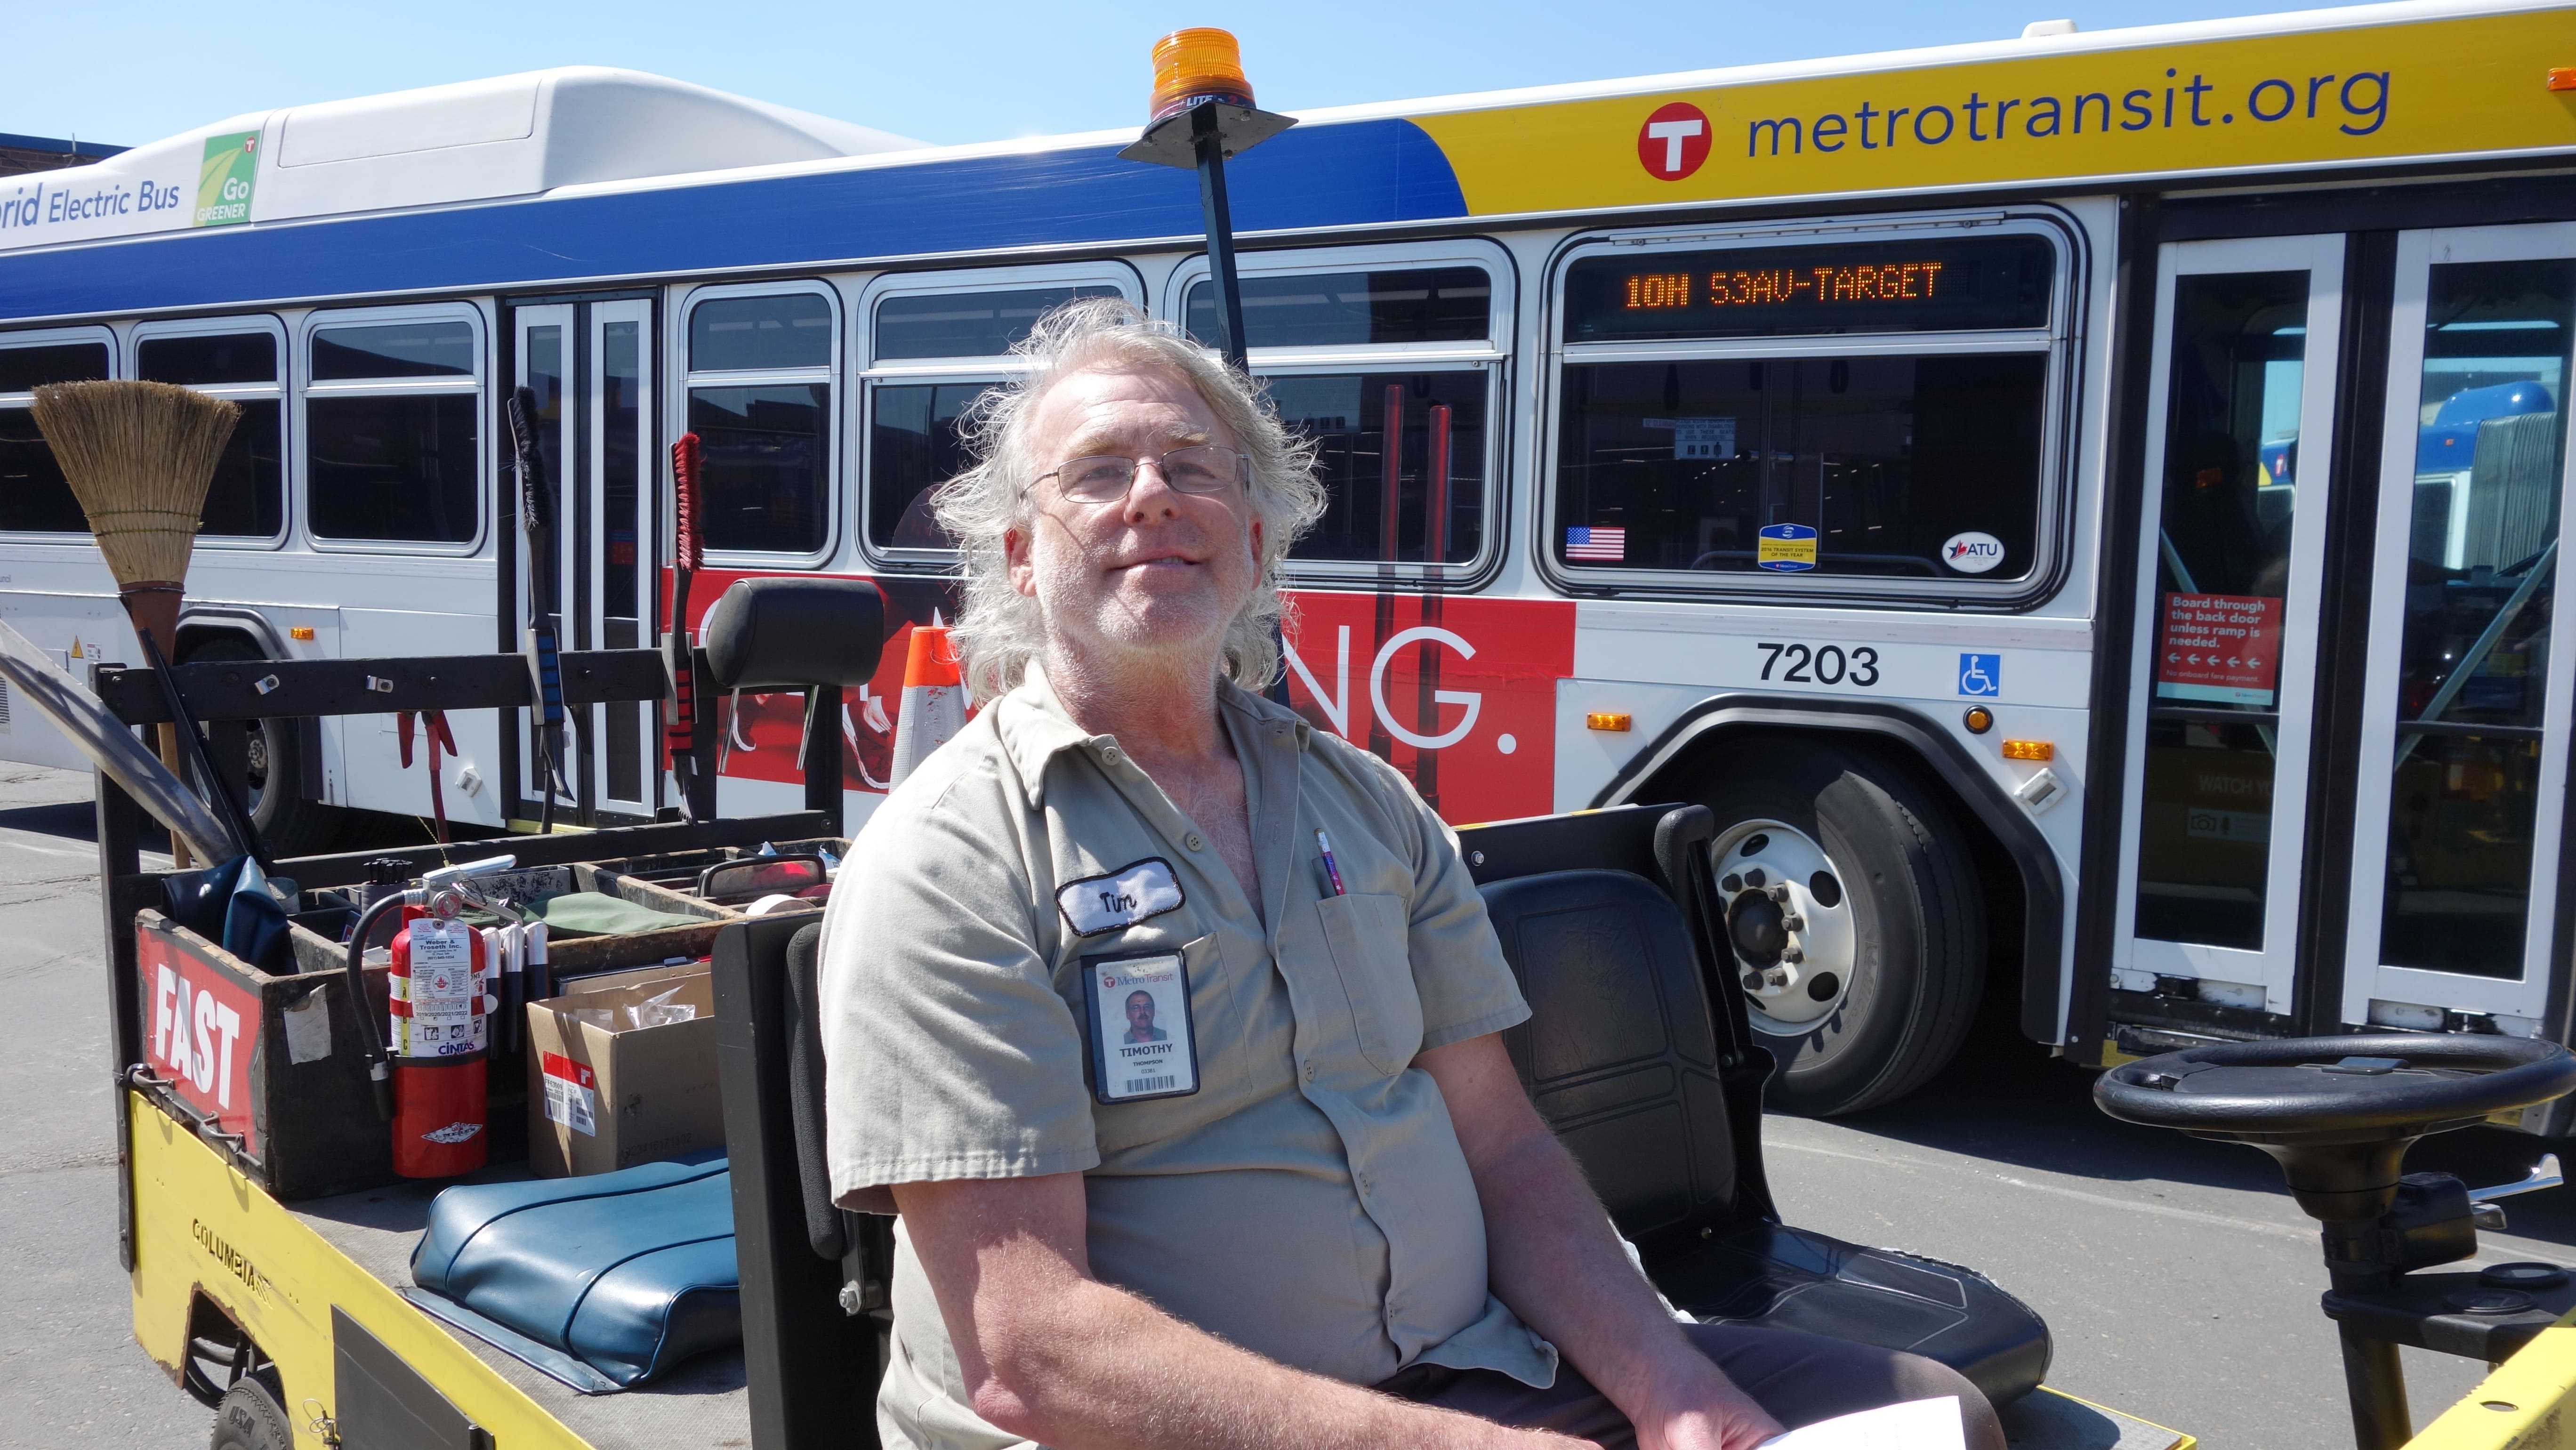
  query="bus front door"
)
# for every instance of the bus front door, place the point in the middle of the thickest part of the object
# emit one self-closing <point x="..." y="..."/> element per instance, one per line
<point x="2460" y="813"/>
<point x="2221" y="732"/>
<point x="590" y="365"/>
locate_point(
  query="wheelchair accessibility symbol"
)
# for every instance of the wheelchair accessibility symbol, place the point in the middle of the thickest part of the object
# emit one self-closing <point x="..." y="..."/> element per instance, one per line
<point x="1981" y="675"/>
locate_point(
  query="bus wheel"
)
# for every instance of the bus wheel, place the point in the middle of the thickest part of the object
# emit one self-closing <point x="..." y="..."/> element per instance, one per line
<point x="251" y="1419"/>
<point x="1853" y="917"/>
<point x="290" y="824"/>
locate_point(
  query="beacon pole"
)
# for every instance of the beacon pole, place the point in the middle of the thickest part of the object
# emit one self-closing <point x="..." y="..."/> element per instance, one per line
<point x="1209" y="144"/>
<point x="1201" y="115"/>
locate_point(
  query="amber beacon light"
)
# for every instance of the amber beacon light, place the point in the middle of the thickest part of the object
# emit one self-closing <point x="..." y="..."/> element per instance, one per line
<point x="1202" y="63"/>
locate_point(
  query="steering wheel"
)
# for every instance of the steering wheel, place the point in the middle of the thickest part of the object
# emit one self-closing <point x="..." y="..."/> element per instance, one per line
<point x="2337" y="1112"/>
<point x="2337" y="1089"/>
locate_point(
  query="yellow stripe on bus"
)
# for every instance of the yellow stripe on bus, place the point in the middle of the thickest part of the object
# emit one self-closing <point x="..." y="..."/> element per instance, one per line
<point x="2446" y="88"/>
<point x="201" y="1225"/>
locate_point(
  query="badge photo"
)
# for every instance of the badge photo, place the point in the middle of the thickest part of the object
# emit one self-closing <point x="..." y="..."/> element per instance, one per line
<point x="1143" y="1044"/>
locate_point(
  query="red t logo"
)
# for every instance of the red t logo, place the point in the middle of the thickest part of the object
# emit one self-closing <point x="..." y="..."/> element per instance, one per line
<point x="1674" y="141"/>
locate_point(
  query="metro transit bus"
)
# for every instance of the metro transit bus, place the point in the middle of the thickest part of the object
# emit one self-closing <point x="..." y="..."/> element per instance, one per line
<point x="2082" y="509"/>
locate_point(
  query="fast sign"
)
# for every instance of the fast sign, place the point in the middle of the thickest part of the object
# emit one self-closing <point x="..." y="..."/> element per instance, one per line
<point x="199" y="1031"/>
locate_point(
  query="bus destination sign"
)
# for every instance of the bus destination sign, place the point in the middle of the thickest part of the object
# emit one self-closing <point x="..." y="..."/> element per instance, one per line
<point x="1955" y="285"/>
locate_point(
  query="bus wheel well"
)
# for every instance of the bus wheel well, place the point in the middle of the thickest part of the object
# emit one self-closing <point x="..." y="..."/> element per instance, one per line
<point x="1999" y="875"/>
<point x="219" y="1354"/>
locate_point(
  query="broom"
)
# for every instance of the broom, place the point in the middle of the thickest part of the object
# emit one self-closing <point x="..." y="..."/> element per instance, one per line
<point x="139" y="457"/>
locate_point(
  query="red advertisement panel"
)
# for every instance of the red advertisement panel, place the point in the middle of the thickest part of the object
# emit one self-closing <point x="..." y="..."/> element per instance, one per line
<point x="1459" y="693"/>
<point x="2221" y="647"/>
<point x="200" y="1027"/>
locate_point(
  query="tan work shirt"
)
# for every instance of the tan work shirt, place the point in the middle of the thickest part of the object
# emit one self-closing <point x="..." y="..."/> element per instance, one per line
<point x="1309" y="1201"/>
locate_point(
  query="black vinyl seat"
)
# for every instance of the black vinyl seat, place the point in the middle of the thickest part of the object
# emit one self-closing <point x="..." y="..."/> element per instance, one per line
<point x="1652" y="1080"/>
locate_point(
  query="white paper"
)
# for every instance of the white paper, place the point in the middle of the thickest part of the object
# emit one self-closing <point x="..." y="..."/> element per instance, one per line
<point x="308" y="1026"/>
<point x="1913" y="1425"/>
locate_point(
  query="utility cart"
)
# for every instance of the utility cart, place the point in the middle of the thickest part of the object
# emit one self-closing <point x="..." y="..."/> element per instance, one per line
<point x="286" y="1277"/>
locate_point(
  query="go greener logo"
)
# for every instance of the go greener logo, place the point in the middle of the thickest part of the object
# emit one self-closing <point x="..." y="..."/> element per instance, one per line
<point x="224" y="179"/>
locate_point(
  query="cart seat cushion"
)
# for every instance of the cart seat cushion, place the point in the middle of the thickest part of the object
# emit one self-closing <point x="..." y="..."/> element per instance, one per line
<point x="1784" y="1278"/>
<point x="1619" y="1051"/>
<point x="793" y="632"/>
<point x="1619" y="1055"/>
<point x="622" y="1274"/>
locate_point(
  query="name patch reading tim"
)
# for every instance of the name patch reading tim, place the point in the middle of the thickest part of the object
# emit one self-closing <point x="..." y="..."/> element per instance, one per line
<point x="1120" y="899"/>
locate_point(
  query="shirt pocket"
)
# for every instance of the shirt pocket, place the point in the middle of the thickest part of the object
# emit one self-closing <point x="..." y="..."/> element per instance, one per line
<point x="1368" y="939"/>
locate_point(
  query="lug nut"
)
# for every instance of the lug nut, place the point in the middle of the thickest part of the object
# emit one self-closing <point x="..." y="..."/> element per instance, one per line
<point x="1753" y="981"/>
<point x="1780" y="894"/>
<point x="1792" y="954"/>
<point x="1793" y="922"/>
<point x="1755" y="879"/>
<point x="1777" y="976"/>
<point x="1731" y="885"/>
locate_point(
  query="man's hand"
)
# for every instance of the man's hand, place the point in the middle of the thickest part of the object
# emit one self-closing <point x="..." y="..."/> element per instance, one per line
<point x="1711" y="1416"/>
<point x="1553" y="1257"/>
<point x="1051" y="1354"/>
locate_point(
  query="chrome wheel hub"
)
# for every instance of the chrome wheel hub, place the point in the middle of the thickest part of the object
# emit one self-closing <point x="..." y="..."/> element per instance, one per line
<point x="1788" y="924"/>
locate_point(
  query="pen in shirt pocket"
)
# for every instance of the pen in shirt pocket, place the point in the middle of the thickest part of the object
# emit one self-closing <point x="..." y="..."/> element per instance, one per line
<point x="1328" y="868"/>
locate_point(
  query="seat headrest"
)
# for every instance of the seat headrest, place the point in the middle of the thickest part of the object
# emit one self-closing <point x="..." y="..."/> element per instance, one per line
<point x="795" y="633"/>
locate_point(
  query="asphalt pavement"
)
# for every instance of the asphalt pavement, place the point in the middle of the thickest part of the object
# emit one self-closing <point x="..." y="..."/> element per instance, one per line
<point x="2178" y="1279"/>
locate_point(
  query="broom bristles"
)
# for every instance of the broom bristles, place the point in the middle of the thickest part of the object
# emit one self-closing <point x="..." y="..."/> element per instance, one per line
<point x="139" y="457"/>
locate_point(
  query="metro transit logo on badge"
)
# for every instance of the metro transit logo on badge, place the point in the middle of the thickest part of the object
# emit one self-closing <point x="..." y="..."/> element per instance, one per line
<point x="1981" y="676"/>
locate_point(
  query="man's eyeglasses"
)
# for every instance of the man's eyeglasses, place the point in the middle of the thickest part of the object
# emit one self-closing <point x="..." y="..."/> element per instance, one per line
<point x="1207" y="468"/>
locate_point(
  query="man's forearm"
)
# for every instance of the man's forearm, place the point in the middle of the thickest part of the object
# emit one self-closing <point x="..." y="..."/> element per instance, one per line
<point x="1052" y="1354"/>
<point x="1104" y="1368"/>
<point x="1553" y="1257"/>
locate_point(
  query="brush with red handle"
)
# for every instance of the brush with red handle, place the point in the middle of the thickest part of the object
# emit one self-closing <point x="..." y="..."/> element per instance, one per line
<point x="680" y="729"/>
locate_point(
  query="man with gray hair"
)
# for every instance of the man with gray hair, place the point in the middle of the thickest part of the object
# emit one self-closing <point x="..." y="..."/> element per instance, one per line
<point x="1317" y="1210"/>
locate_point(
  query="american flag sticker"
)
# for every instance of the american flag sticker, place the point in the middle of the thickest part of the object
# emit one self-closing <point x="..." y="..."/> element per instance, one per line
<point x="1604" y="545"/>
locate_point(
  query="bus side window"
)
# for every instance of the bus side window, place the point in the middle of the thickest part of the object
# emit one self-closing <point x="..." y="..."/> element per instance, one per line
<point x="1764" y="409"/>
<point x="1437" y="513"/>
<point x="913" y="440"/>
<point x="1400" y="448"/>
<point x="389" y="429"/>
<point x="248" y="496"/>
<point x="761" y="403"/>
<point x="34" y="496"/>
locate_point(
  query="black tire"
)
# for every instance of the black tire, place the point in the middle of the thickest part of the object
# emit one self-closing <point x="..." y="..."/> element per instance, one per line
<point x="287" y="822"/>
<point x="1916" y="932"/>
<point x="250" y="1418"/>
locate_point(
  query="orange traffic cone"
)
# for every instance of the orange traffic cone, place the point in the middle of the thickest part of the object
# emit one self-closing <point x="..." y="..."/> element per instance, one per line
<point x="934" y="702"/>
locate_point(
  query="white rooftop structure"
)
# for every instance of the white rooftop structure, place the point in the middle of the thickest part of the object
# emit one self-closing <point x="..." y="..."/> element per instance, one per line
<point x="510" y="136"/>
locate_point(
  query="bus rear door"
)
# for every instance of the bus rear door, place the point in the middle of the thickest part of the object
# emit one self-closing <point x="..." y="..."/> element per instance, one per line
<point x="2346" y="783"/>
<point x="590" y="365"/>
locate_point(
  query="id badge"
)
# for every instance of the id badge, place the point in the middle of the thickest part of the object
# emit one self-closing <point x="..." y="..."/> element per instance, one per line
<point x="1142" y="1042"/>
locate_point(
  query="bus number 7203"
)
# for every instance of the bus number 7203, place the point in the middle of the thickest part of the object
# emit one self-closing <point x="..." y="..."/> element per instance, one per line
<point x="1824" y="664"/>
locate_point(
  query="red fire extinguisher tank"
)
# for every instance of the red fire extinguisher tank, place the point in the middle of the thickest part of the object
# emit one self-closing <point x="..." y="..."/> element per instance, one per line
<point x="439" y="1043"/>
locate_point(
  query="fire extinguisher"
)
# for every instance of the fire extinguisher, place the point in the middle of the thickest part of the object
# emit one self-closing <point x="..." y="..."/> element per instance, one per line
<point x="430" y="1065"/>
<point x="439" y="1038"/>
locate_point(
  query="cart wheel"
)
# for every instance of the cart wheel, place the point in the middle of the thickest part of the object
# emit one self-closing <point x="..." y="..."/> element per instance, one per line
<point x="1854" y="919"/>
<point x="286" y="821"/>
<point x="251" y="1419"/>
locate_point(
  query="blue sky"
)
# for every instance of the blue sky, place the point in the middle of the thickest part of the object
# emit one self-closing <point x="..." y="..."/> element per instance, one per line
<point x="128" y="71"/>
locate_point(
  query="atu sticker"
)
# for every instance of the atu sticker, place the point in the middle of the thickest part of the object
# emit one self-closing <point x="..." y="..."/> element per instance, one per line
<point x="1972" y="552"/>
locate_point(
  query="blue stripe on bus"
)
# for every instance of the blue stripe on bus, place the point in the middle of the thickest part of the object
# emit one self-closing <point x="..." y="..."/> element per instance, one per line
<point x="1355" y="173"/>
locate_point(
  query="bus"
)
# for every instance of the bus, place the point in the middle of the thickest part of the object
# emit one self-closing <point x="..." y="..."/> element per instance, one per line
<point x="2094" y="552"/>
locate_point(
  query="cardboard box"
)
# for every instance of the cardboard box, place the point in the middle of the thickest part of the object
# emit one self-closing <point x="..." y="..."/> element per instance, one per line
<point x="607" y="1094"/>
